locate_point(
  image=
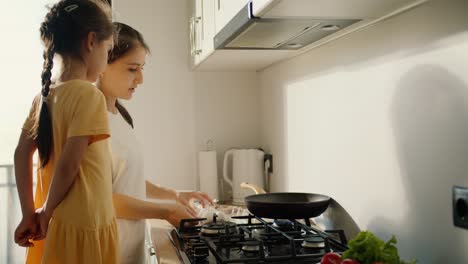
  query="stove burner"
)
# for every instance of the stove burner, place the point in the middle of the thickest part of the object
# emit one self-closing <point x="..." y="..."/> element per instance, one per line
<point x="251" y="246"/>
<point x="283" y="225"/>
<point x="313" y="242"/>
<point x="218" y="228"/>
<point x="259" y="232"/>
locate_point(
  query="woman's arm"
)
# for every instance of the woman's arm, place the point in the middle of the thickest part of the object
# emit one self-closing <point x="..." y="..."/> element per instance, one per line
<point x="23" y="160"/>
<point x="158" y="192"/>
<point x="131" y="208"/>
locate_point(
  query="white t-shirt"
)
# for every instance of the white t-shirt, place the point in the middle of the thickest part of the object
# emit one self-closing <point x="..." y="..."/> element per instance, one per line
<point x="128" y="179"/>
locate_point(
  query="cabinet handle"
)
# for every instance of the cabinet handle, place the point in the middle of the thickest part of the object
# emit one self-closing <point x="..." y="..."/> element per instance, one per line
<point x="201" y="18"/>
<point x="219" y="5"/>
<point x="196" y="36"/>
<point x="192" y="36"/>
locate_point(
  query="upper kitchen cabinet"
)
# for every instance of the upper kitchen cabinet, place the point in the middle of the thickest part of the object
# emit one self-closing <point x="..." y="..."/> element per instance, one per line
<point x="328" y="8"/>
<point x="225" y="10"/>
<point x="202" y="29"/>
<point x="250" y="35"/>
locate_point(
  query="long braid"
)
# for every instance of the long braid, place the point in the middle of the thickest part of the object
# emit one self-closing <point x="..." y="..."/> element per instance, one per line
<point x="47" y="71"/>
<point x="44" y="132"/>
<point x="44" y="138"/>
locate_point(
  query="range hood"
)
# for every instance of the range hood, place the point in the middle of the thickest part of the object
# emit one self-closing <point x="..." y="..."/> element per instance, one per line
<point x="245" y="31"/>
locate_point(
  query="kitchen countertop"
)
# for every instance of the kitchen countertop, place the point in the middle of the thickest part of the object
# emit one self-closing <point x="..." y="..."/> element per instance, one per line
<point x="160" y="234"/>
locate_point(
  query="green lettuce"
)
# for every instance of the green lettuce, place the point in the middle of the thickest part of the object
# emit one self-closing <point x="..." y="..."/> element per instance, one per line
<point x="368" y="248"/>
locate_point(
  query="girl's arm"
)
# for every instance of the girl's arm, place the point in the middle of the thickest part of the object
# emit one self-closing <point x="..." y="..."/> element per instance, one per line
<point x="23" y="172"/>
<point x="64" y="176"/>
<point x="23" y="160"/>
<point x="131" y="208"/>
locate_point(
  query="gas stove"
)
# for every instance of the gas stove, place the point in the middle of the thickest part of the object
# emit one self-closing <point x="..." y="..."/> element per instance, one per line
<point x="255" y="240"/>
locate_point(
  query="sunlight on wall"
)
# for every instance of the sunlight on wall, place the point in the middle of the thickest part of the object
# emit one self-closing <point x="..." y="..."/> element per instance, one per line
<point x="340" y="125"/>
<point x="387" y="139"/>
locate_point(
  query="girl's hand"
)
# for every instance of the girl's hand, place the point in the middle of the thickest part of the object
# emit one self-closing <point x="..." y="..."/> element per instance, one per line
<point x="184" y="198"/>
<point x="26" y="231"/>
<point x="43" y="219"/>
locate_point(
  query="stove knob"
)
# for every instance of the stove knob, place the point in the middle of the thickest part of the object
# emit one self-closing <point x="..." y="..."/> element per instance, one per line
<point x="201" y="251"/>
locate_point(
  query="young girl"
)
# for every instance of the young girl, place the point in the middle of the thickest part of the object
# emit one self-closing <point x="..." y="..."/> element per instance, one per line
<point x="119" y="81"/>
<point x="67" y="124"/>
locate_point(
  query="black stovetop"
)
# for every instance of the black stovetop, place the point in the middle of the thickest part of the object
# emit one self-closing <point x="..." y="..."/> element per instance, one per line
<point x="255" y="241"/>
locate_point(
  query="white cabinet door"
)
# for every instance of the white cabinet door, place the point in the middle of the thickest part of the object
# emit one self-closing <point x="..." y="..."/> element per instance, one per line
<point x="202" y="26"/>
<point x="225" y="10"/>
<point x="208" y="27"/>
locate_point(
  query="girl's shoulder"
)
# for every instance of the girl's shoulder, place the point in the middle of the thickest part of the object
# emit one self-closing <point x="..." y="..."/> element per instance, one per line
<point x="80" y="88"/>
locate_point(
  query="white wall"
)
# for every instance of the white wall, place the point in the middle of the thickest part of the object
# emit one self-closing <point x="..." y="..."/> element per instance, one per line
<point x="177" y="110"/>
<point x="379" y="121"/>
<point x="227" y="108"/>
<point x="21" y="69"/>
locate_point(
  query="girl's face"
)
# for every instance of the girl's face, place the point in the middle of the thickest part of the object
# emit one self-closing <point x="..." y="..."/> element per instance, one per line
<point x="121" y="78"/>
<point x="98" y="58"/>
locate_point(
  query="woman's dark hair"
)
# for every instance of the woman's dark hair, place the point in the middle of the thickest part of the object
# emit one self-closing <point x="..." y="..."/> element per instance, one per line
<point x="128" y="39"/>
<point x="65" y="27"/>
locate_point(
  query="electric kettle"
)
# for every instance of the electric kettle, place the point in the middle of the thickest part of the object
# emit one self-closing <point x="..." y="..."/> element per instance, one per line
<point x="247" y="166"/>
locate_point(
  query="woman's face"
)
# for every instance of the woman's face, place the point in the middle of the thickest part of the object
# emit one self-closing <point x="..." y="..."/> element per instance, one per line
<point x="121" y="78"/>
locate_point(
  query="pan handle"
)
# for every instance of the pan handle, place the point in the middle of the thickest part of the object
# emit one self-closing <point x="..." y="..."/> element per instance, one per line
<point x="252" y="187"/>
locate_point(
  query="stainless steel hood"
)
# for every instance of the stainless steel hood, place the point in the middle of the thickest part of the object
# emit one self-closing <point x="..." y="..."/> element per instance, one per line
<point x="246" y="31"/>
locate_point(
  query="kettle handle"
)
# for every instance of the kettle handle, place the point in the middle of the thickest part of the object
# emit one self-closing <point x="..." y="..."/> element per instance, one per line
<point x="253" y="187"/>
<point x="225" y="176"/>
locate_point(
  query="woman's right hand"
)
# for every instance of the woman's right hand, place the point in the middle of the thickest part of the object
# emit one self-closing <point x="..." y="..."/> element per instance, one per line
<point x="26" y="231"/>
<point x="178" y="212"/>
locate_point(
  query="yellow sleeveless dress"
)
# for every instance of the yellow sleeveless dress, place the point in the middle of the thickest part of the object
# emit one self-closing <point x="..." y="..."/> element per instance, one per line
<point x="83" y="226"/>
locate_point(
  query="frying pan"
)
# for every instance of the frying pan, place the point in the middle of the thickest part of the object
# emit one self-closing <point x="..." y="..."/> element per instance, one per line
<point x="285" y="205"/>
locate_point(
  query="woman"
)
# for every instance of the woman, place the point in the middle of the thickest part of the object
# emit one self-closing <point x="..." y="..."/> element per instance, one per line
<point x="119" y="81"/>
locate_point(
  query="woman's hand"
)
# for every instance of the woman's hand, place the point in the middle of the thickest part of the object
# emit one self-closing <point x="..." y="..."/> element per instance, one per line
<point x="26" y="231"/>
<point x="184" y="198"/>
<point x="43" y="219"/>
<point x="178" y="212"/>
